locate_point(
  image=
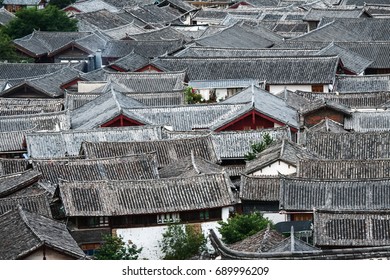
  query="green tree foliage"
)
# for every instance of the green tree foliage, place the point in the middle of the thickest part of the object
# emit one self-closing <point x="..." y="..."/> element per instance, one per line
<point x="192" y="96"/>
<point x="258" y="147"/>
<point x="114" y="248"/>
<point x="48" y="19"/>
<point x="182" y="244"/>
<point x="60" y="4"/>
<point x="240" y="227"/>
<point x="7" y="50"/>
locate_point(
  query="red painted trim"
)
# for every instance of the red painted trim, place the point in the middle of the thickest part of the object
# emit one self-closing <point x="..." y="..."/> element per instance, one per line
<point x="121" y="119"/>
<point x="70" y="45"/>
<point x="149" y="67"/>
<point x="71" y="9"/>
<point x="71" y="83"/>
<point x="252" y="113"/>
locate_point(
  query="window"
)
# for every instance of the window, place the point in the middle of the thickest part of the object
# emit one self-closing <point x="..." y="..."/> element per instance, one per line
<point x="93" y="222"/>
<point x="90" y="249"/>
<point x="168" y="218"/>
<point x="317" y="88"/>
<point x="202" y="215"/>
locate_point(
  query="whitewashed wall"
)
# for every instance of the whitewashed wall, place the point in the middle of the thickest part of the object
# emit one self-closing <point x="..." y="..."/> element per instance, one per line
<point x="50" y="255"/>
<point x="149" y="237"/>
<point x="87" y="86"/>
<point x="275" y="168"/>
<point x="275" y="217"/>
<point x="279" y="88"/>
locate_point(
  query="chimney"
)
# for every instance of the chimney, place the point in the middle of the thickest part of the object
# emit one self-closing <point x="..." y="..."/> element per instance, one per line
<point x="91" y="63"/>
<point x="98" y="59"/>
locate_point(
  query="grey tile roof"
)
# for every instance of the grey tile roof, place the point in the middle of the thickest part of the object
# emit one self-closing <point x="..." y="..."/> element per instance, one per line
<point x="377" y="10"/>
<point x="12" y="183"/>
<point x="186" y="117"/>
<point x="197" y="51"/>
<point x="165" y="33"/>
<point x="91" y="6"/>
<point x="322" y="103"/>
<point x="183" y="6"/>
<point x="122" y="32"/>
<point x="374" y="51"/>
<point x="168" y="98"/>
<point x="100" y="19"/>
<point x="24" y="232"/>
<point x="351" y="60"/>
<point x="295" y="99"/>
<point x="167" y="151"/>
<point x="266" y="104"/>
<point x="12" y="141"/>
<point x="300" y="45"/>
<point x="235" y="36"/>
<point x="147" y="81"/>
<point x="149" y="48"/>
<point x="38" y="203"/>
<point x="264" y="3"/>
<point x="368" y="145"/>
<point x="262" y="241"/>
<point x="68" y="142"/>
<point x="233" y="144"/>
<point x="125" y="3"/>
<point x="368" y="121"/>
<point x="44" y="121"/>
<point x="9" y="166"/>
<point x="327" y="125"/>
<point x="188" y="167"/>
<point x="287" y="245"/>
<point x="210" y="13"/>
<point x="48" y="84"/>
<point x="361" y="100"/>
<point x="260" y="188"/>
<point x="344" y="169"/>
<point x="325" y="254"/>
<point x="101" y="110"/>
<point x="10" y="71"/>
<point x="112" y="198"/>
<point x="130" y="62"/>
<point x="369" y="83"/>
<point x="224" y="84"/>
<point x="299" y="194"/>
<point x="316" y="14"/>
<point x="275" y="70"/>
<point x="282" y="150"/>
<point x="20" y="106"/>
<point x="40" y="43"/>
<point x="363" y="2"/>
<point x="5" y="16"/>
<point x="152" y="14"/>
<point x="351" y="228"/>
<point x="346" y="29"/>
<point x="134" y="167"/>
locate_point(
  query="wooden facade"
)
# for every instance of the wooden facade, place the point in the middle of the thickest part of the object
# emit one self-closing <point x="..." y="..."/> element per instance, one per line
<point x="250" y="121"/>
<point x="121" y="121"/>
<point x="315" y="117"/>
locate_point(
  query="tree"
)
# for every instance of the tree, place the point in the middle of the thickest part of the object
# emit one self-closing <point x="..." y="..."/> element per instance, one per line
<point x="48" y="19"/>
<point x="258" y="147"/>
<point x="182" y="244"/>
<point x="114" y="248"/>
<point x="192" y="96"/>
<point x="7" y="50"/>
<point x="240" y="227"/>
